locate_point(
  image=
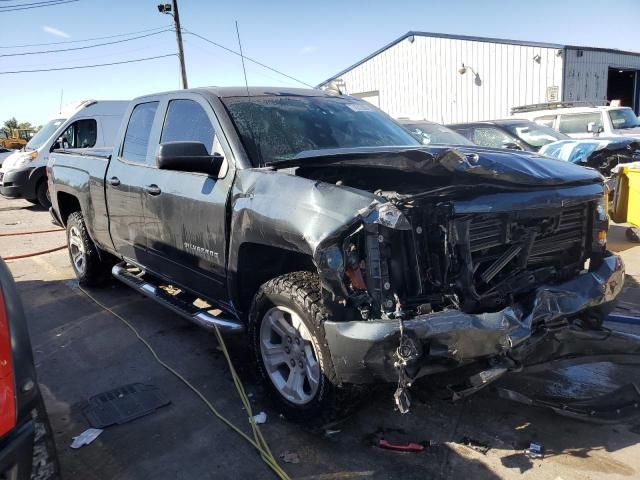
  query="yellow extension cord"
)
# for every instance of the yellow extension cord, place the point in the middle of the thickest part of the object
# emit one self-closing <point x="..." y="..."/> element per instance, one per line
<point x="258" y="441"/>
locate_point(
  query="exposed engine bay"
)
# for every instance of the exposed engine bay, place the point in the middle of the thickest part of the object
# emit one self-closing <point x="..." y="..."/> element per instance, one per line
<point x="424" y="253"/>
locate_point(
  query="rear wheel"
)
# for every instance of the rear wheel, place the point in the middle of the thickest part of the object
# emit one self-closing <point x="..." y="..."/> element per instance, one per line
<point x="90" y="269"/>
<point x="42" y="193"/>
<point x="287" y="337"/>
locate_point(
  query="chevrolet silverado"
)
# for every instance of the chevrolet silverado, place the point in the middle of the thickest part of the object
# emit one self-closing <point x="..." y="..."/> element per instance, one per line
<point x="348" y="252"/>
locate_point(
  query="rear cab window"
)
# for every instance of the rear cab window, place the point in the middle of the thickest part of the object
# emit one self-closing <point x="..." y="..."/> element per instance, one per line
<point x="491" y="137"/>
<point x="578" y="122"/>
<point x="136" y="138"/>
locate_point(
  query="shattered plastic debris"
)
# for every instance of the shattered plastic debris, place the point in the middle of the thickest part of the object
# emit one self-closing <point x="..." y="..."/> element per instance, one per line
<point x="259" y="418"/>
<point x="86" y="437"/>
<point x="474" y="445"/>
<point x="535" y="450"/>
<point x="290" y="457"/>
<point x="403" y="447"/>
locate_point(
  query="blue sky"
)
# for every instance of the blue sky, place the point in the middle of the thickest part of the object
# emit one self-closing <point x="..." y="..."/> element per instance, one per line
<point x="308" y="40"/>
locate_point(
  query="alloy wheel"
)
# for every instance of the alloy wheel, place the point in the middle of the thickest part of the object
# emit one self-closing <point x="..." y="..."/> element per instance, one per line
<point x="289" y="356"/>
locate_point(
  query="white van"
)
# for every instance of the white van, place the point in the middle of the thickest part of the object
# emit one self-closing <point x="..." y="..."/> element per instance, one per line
<point x="85" y="124"/>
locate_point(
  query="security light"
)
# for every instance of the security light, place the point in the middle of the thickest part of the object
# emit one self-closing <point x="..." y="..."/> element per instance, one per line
<point x="164" y="8"/>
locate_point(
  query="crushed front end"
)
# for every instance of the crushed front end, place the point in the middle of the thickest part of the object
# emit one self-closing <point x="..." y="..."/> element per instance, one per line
<point x="437" y="283"/>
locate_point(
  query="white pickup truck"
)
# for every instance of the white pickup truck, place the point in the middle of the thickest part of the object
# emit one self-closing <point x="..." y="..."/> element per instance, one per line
<point x="585" y="122"/>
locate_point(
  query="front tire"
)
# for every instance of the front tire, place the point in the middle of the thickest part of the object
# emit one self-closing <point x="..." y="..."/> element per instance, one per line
<point x="89" y="268"/>
<point x="42" y="194"/>
<point x="286" y="330"/>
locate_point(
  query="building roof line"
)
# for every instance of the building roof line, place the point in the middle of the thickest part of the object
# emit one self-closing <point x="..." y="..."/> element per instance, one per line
<point x="414" y="33"/>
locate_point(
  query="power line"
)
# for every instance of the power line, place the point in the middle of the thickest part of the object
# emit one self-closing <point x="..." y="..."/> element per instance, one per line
<point x="82" y="40"/>
<point x="84" y="46"/>
<point x="88" y="66"/>
<point x="29" y="4"/>
<point x="13" y="8"/>
<point x="246" y="58"/>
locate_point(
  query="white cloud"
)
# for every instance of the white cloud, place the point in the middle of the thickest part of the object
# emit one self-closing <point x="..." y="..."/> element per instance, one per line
<point x="56" y="32"/>
<point x="308" y="49"/>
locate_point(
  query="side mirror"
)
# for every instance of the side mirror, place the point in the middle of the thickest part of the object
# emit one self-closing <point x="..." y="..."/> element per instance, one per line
<point x="188" y="157"/>
<point x="593" y="128"/>
<point x="59" y="143"/>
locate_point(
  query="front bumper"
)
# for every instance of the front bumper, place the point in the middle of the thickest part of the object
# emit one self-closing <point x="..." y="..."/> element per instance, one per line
<point x="364" y="351"/>
<point x="17" y="183"/>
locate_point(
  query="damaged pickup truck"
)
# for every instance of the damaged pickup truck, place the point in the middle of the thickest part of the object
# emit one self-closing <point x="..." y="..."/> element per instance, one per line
<point x="349" y="253"/>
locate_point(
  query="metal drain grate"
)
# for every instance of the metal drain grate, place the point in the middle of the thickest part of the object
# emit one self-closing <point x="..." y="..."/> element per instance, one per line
<point x="123" y="404"/>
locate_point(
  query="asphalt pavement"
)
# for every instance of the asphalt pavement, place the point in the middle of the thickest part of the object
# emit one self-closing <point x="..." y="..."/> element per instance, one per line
<point x="82" y="350"/>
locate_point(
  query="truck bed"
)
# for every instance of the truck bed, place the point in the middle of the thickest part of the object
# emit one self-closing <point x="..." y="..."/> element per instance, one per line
<point x="80" y="174"/>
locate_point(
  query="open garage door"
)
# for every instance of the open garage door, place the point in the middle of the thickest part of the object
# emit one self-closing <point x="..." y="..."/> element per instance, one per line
<point x="622" y="84"/>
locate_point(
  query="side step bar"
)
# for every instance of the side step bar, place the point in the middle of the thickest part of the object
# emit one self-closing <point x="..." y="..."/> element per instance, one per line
<point x="187" y="310"/>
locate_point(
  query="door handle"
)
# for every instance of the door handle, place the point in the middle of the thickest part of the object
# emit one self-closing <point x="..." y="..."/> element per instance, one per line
<point x="152" y="189"/>
<point x="115" y="181"/>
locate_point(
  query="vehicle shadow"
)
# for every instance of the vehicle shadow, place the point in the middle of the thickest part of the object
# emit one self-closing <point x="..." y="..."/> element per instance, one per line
<point x="81" y="351"/>
<point x="616" y="238"/>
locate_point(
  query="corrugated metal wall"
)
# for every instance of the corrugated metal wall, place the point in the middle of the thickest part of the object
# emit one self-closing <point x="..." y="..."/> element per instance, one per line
<point x="586" y="76"/>
<point x="421" y="79"/>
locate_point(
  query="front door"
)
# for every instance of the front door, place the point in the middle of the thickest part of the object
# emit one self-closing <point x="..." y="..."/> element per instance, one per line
<point x="125" y="179"/>
<point x="185" y="211"/>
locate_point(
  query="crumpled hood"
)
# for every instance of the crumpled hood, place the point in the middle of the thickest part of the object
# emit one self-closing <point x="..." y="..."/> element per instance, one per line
<point x="476" y="164"/>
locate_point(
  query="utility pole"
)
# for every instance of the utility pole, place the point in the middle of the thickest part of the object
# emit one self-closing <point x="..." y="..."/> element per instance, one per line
<point x="167" y="8"/>
<point x="176" y="19"/>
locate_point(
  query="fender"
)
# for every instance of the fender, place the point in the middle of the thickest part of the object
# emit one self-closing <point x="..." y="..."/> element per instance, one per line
<point x="293" y="213"/>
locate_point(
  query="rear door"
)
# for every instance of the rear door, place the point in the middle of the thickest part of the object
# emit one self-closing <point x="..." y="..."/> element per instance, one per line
<point x="185" y="212"/>
<point x="125" y="179"/>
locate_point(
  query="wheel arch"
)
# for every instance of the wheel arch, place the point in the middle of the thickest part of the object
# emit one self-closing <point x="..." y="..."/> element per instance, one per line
<point x="258" y="263"/>
<point x="67" y="204"/>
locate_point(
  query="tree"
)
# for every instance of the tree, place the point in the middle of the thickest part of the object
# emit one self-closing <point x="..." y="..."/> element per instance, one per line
<point x="11" y="123"/>
<point x="25" y="126"/>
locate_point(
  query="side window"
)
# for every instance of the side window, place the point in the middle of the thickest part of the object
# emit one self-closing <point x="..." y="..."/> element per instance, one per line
<point x="187" y="121"/>
<point x="136" y="139"/>
<point x="491" y="137"/>
<point x="577" y="123"/>
<point x="546" y="120"/>
<point x="80" y="134"/>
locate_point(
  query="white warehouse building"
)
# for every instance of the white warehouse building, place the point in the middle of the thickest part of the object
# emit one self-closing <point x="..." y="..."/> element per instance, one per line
<point x="455" y="78"/>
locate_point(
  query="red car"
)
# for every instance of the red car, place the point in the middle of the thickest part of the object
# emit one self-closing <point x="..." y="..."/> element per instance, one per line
<point x="27" y="450"/>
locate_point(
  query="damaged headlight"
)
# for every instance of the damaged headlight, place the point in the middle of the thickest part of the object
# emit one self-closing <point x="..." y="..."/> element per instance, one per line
<point x="332" y="258"/>
<point x="601" y="223"/>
